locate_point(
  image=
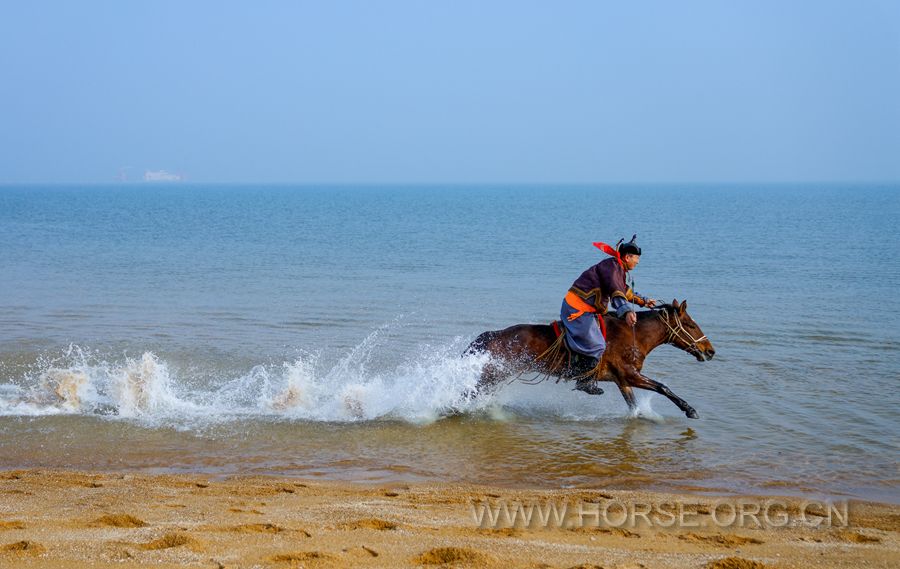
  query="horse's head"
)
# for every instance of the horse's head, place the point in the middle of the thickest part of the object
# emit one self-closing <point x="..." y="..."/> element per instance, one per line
<point x="684" y="333"/>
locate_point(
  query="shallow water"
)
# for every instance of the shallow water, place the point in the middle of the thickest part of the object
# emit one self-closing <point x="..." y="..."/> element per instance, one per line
<point x="317" y="331"/>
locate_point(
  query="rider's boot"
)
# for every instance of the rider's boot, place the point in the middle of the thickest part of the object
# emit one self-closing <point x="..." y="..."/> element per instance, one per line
<point x="589" y="386"/>
<point x="587" y="381"/>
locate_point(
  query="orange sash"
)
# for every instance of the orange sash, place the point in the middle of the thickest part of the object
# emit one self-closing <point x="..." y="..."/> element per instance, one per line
<point x="581" y="306"/>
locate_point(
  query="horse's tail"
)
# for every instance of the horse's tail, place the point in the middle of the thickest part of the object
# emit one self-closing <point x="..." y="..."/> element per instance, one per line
<point x="479" y="345"/>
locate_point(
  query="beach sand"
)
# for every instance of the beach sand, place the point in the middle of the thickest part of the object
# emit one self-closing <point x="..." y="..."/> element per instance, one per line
<point x="76" y="519"/>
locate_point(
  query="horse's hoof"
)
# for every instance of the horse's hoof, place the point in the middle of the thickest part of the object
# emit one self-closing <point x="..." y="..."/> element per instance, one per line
<point x="692" y="414"/>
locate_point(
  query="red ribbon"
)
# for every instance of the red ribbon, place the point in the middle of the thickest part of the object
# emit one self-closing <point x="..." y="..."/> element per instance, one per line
<point x="609" y="251"/>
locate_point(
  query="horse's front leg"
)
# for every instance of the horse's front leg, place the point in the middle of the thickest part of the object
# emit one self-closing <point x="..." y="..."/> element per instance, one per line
<point x="641" y="381"/>
<point x="628" y="394"/>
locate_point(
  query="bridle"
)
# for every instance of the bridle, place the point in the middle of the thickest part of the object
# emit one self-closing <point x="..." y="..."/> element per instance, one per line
<point x="677" y="332"/>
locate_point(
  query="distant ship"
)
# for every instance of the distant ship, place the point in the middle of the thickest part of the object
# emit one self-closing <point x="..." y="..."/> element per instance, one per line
<point x="161" y="176"/>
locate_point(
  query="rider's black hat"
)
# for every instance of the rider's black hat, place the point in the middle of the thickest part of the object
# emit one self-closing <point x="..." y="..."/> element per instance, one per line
<point x="630" y="248"/>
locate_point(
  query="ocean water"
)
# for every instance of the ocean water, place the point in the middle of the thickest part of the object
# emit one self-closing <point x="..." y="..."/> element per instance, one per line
<point x="317" y="331"/>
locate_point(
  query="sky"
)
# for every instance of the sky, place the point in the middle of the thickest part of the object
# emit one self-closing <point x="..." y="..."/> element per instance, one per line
<point x="451" y="92"/>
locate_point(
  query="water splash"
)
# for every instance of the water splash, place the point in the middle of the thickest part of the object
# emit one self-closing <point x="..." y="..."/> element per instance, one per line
<point x="644" y="409"/>
<point x="144" y="389"/>
<point x="63" y="387"/>
<point x="419" y="389"/>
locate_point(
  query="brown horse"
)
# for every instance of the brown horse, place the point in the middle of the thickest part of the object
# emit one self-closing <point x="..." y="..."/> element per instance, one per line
<point x="534" y="348"/>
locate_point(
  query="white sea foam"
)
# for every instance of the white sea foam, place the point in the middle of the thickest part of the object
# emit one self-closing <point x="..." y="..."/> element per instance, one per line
<point x="420" y="389"/>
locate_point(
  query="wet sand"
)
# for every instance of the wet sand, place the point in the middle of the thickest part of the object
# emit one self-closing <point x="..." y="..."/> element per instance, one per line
<point x="72" y="519"/>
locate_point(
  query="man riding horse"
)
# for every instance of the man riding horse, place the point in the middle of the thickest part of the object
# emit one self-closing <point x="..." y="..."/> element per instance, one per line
<point x="547" y="349"/>
<point x="586" y="302"/>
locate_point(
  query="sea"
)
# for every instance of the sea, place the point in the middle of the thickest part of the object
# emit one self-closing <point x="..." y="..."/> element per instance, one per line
<point x="318" y="332"/>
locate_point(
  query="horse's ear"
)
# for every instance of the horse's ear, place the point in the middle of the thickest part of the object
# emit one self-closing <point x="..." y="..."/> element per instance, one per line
<point x="675" y="303"/>
<point x="683" y="308"/>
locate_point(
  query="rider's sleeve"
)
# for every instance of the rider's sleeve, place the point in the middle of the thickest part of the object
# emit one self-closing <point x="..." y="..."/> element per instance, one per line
<point x="621" y="306"/>
<point x="619" y="294"/>
<point x="638" y="298"/>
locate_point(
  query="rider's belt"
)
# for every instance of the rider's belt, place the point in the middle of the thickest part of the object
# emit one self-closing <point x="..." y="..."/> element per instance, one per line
<point x="578" y="304"/>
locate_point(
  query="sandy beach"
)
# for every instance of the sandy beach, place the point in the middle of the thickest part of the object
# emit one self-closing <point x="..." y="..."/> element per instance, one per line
<point x="449" y="285"/>
<point x="76" y="519"/>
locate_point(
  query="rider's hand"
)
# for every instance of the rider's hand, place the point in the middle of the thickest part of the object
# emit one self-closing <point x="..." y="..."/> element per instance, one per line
<point x="631" y="318"/>
<point x="650" y="302"/>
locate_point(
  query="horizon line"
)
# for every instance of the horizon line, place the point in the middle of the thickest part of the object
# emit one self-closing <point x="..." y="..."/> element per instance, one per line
<point x="445" y="184"/>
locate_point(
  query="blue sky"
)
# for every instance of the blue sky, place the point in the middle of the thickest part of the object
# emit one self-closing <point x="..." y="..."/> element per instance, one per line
<point x="451" y="92"/>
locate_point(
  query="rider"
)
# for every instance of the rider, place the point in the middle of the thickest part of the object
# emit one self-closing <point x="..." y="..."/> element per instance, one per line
<point x="586" y="302"/>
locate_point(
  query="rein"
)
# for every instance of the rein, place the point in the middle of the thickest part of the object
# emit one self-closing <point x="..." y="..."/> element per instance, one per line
<point x="677" y="332"/>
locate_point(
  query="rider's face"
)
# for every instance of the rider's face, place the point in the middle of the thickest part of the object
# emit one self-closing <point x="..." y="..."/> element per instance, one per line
<point x="631" y="261"/>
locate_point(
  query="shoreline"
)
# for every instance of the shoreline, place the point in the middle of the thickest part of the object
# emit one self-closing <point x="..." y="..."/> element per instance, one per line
<point x="64" y="518"/>
<point x="678" y="482"/>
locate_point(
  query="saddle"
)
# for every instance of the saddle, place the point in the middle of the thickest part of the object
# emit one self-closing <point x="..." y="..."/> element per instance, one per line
<point x="561" y="360"/>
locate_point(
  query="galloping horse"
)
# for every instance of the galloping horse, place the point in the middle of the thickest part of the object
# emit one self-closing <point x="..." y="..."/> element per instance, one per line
<point x="535" y="348"/>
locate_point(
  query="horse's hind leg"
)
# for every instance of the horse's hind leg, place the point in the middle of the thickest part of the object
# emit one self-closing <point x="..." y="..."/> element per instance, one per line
<point x="637" y="379"/>
<point x="491" y="376"/>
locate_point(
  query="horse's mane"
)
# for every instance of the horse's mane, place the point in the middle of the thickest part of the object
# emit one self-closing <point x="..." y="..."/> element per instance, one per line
<point x="644" y="314"/>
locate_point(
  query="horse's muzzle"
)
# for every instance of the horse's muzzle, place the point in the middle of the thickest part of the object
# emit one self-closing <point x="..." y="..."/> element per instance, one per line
<point x="703" y="354"/>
